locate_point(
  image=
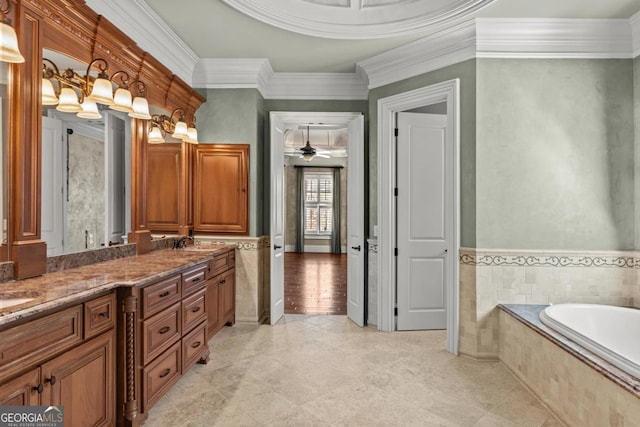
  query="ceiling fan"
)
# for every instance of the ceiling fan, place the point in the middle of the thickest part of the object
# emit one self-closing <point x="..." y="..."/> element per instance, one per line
<point x="308" y="152"/>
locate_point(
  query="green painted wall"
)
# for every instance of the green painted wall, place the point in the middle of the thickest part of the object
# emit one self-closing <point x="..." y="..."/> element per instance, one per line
<point x="235" y="116"/>
<point x="636" y="121"/>
<point x="555" y="154"/>
<point x="466" y="72"/>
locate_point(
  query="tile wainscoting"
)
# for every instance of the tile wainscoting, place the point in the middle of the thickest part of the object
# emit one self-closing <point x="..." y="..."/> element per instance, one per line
<point x="492" y="277"/>
<point x="252" y="274"/>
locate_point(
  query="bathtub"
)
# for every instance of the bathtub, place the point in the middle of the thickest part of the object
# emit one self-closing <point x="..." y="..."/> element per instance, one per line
<point x="613" y="333"/>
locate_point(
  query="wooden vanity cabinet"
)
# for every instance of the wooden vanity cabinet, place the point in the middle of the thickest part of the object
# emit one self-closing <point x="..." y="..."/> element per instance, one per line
<point x="221" y="292"/>
<point x="64" y="358"/>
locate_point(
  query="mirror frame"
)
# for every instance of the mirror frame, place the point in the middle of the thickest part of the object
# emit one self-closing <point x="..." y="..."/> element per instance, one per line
<point x="74" y="29"/>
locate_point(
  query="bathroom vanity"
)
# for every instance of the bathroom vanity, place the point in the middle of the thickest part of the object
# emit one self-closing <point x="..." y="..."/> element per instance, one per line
<point x="108" y="340"/>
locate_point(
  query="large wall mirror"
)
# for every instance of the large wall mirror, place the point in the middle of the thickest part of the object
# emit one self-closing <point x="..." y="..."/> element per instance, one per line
<point x="4" y="69"/>
<point x="86" y="163"/>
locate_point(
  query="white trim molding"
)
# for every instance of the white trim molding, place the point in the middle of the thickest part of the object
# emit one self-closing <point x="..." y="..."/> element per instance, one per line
<point x="635" y="32"/>
<point x="347" y="19"/>
<point x="316" y="86"/>
<point x="222" y="73"/>
<point x="137" y="20"/>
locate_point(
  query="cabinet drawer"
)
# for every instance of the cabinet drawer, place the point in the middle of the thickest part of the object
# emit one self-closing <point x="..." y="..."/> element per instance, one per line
<point x="39" y="339"/>
<point x="194" y="346"/>
<point x="159" y="332"/>
<point x="160" y="375"/>
<point x="194" y="310"/>
<point x="220" y="262"/>
<point x="194" y="279"/>
<point x="99" y="315"/>
<point x="161" y="295"/>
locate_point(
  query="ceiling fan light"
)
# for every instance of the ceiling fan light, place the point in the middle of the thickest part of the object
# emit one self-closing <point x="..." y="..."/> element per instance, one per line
<point x="180" y="131"/>
<point x="155" y="136"/>
<point x="48" y="93"/>
<point x="68" y="101"/>
<point x="122" y="101"/>
<point x="102" y="92"/>
<point x="308" y="156"/>
<point x="140" y="108"/>
<point x="89" y="110"/>
<point x="9" y="51"/>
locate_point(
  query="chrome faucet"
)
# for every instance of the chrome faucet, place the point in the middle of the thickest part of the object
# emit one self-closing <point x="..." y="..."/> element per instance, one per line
<point x="181" y="242"/>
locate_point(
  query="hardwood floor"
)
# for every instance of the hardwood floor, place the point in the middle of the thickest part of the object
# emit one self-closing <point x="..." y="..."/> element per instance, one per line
<point x="315" y="283"/>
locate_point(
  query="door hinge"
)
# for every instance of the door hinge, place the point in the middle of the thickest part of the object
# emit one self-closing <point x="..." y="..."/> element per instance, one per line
<point x="395" y="132"/>
<point x="395" y="311"/>
<point x="395" y="251"/>
<point x="395" y="191"/>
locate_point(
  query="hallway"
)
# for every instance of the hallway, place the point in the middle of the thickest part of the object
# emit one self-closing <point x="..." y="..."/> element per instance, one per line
<point x="315" y="283"/>
<point x="326" y="371"/>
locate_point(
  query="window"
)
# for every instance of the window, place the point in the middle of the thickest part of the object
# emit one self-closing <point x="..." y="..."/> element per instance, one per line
<point x="318" y="203"/>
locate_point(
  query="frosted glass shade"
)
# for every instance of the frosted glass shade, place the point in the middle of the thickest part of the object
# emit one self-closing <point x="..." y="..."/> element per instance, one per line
<point x="68" y="101"/>
<point x="192" y="137"/>
<point x="122" y="101"/>
<point x="180" y="131"/>
<point x="9" y="51"/>
<point x="102" y="92"/>
<point x="155" y="136"/>
<point x="140" y="109"/>
<point x="48" y="93"/>
<point x="89" y="110"/>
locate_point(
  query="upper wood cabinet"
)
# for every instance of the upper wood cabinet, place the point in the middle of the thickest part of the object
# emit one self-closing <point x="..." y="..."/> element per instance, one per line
<point x="221" y="193"/>
<point x="169" y="188"/>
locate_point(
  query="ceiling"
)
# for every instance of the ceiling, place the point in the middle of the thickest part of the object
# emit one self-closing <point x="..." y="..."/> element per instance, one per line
<point x="212" y="29"/>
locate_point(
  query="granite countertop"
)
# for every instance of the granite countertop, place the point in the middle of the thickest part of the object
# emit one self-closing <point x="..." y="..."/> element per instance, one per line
<point x="53" y="290"/>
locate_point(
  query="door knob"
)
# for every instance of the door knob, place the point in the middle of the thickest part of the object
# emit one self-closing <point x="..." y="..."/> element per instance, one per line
<point x="357" y="248"/>
<point x="275" y="247"/>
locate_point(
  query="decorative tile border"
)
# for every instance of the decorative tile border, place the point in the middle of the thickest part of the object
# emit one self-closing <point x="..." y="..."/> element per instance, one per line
<point x="372" y="244"/>
<point x="245" y="244"/>
<point x="541" y="259"/>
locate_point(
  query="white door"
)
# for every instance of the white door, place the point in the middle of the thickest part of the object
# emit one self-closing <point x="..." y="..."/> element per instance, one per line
<point x="277" y="220"/>
<point x="52" y="221"/>
<point x="424" y="220"/>
<point x="355" y="222"/>
<point x="115" y="185"/>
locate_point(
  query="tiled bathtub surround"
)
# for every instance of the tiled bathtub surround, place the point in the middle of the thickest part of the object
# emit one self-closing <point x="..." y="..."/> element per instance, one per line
<point x="492" y="277"/>
<point x="580" y="388"/>
<point x="252" y="274"/>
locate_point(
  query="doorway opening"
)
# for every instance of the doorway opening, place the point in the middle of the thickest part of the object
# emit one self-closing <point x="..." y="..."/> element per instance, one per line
<point x="315" y="237"/>
<point x="391" y="238"/>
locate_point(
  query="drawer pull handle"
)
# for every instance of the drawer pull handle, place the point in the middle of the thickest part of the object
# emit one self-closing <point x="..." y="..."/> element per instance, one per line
<point x="196" y="344"/>
<point x="52" y="380"/>
<point x="165" y="373"/>
<point x="195" y="309"/>
<point x="164" y="330"/>
<point x="196" y="279"/>
<point x="39" y="388"/>
<point x="104" y="314"/>
<point x="164" y="294"/>
<point x="222" y="282"/>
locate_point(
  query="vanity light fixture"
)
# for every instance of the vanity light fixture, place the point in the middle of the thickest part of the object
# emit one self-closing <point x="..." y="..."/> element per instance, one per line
<point x="74" y="90"/>
<point x="175" y="125"/>
<point x="9" y="51"/>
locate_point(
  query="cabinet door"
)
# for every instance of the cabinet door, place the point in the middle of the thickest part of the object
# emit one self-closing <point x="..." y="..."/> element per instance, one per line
<point x="168" y="187"/>
<point x="228" y="296"/>
<point x="82" y="381"/>
<point x="221" y="200"/>
<point x="21" y="391"/>
<point x="213" y="318"/>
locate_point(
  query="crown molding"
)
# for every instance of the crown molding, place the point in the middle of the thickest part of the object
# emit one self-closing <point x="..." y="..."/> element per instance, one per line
<point x="138" y="21"/>
<point x="553" y="38"/>
<point x="635" y="32"/>
<point x="430" y="53"/>
<point x="224" y="73"/>
<point x="317" y="86"/>
<point x="506" y="38"/>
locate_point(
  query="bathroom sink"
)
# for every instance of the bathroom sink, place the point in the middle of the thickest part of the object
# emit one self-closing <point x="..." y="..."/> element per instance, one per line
<point x="12" y="298"/>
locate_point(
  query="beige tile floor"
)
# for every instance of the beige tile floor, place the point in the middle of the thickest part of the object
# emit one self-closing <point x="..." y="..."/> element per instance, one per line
<point x="325" y="371"/>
